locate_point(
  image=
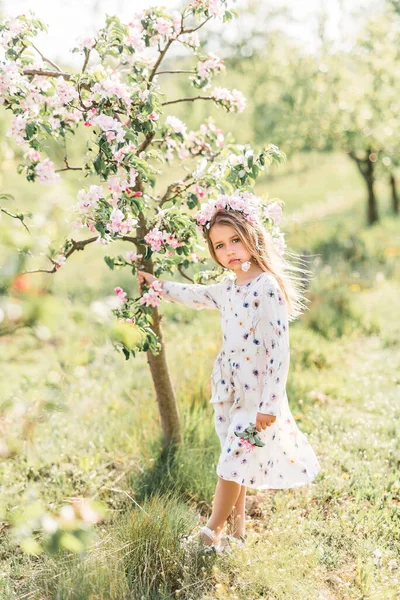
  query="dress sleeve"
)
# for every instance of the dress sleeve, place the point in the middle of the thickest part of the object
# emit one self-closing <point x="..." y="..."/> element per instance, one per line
<point x="272" y="327"/>
<point x="194" y="295"/>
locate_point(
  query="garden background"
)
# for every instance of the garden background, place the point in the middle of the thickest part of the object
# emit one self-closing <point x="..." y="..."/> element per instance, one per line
<point x="77" y="420"/>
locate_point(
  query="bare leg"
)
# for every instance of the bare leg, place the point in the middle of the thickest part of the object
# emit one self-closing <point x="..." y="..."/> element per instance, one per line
<point x="236" y="520"/>
<point x="225" y="498"/>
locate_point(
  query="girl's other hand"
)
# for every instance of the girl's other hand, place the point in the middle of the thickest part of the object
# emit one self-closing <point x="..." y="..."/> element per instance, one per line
<point x="263" y="421"/>
<point x="144" y="277"/>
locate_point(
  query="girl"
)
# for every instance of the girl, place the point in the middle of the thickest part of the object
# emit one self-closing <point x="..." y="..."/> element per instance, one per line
<point x="256" y="300"/>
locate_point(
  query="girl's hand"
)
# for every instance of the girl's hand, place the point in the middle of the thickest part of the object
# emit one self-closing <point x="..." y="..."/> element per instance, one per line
<point x="263" y="421"/>
<point x="144" y="277"/>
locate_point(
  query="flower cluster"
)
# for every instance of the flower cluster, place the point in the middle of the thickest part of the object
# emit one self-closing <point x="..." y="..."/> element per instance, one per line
<point x="254" y="210"/>
<point x="249" y="437"/>
<point x="120" y="223"/>
<point x="244" y="202"/>
<point x="154" y="295"/>
<point x="215" y="8"/>
<point x="132" y="256"/>
<point x="231" y="100"/>
<point x="210" y="66"/>
<point x="193" y="143"/>
<point x="157" y="238"/>
<point x="121" y="295"/>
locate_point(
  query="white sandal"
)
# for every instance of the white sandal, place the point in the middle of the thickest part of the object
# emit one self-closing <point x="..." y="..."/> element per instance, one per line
<point x="214" y="537"/>
<point x="211" y="534"/>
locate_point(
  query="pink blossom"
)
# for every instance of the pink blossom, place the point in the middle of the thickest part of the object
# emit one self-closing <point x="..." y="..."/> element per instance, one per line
<point x="117" y="224"/>
<point x="274" y="210"/>
<point x="157" y="285"/>
<point x="154" y="116"/>
<point x="127" y="320"/>
<point x="107" y="123"/>
<point x="150" y="298"/>
<point x="86" y="43"/>
<point x="232" y="100"/>
<point x="11" y="80"/>
<point x="193" y="256"/>
<point x="87" y="200"/>
<point x="211" y="65"/>
<point x="176" y="125"/>
<point x="183" y="152"/>
<point x="163" y="26"/>
<point x="155" y="239"/>
<point x="177" y="22"/>
<point x="64" y="91"/>
<point x="200" y="191"/>
<point x="60" y="260"/>
<point x="191" y="39"/>
<point x="245" y="202"/>
<point x="18" y="129"/>
<point x="116" y="186"/>
<point x="121" y="294"/>
<point x="34" y="155"/>
<point x="172" y="241"/>
<point x="246" y="443"/>
<point x="133" y="256"/>
<point x="46" y="173"/>
<point x="112" y="87"/>
<point x="134" y="39"/>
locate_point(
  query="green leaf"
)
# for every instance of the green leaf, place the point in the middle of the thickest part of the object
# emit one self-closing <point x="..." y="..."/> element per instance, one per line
<point x="109" y="262"/>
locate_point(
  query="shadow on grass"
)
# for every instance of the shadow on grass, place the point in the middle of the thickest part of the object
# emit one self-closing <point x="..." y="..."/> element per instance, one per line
<point x="186" y="471"/>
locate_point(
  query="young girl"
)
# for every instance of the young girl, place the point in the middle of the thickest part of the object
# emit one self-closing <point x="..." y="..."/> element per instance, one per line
<point x="256" y="300"/>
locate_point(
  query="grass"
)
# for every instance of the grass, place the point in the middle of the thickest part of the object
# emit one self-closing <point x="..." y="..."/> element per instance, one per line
<point x="83" y="421"/>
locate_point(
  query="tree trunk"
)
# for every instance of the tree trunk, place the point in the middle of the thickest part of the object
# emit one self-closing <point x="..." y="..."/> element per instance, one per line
<point x="372" y="212"/>
<point x="366" y="168"/>
<point x="395" y="196"/>
<point x="167" y="404"/>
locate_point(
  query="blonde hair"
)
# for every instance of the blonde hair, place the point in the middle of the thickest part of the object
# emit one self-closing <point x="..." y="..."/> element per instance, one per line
<point x="258" y="243"/>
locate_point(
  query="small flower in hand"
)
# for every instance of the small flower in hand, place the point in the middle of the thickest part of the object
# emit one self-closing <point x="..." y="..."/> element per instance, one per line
<point x="250" y="436"/>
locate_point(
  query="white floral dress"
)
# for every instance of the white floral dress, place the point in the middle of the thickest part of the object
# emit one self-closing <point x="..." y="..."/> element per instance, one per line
<point x="249" y="376"/>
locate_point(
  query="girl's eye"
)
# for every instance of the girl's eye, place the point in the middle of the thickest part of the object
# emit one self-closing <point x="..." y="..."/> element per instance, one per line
<point x="235" y="240"/>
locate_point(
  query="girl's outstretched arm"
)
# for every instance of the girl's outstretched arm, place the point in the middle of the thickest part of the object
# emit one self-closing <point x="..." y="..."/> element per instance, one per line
<point x="272" y="328"/>
<point x="194" y="295"/>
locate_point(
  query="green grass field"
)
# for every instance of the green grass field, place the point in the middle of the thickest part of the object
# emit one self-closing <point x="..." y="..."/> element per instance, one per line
<point x="81" y="420"/>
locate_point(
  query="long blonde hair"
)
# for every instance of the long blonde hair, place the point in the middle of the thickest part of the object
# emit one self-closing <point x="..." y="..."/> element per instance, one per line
<point x="260" y="246"/>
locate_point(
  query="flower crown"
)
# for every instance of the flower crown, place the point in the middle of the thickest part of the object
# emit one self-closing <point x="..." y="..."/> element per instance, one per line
<point x="245" y="202"/>
<point x="252" y="207"/>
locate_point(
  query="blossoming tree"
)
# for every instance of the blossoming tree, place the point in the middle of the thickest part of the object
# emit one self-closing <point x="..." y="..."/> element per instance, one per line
<point x="117" y="96"/>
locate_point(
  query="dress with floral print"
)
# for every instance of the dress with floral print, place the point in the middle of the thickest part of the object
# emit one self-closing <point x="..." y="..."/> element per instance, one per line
<point x="249" y="376"/>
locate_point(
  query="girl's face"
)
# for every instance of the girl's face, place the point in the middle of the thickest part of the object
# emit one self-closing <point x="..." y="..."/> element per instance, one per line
<point x="228" y="247"/>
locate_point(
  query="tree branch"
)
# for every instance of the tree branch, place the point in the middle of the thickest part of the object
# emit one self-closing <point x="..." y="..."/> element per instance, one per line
<point x="68" y="168"/>
<point x="146" y="142"/>
<point x="85" y="63"/>
<point x="66" y="76"/>
<point x="80" y="245"/>
<point x="184" y="274"/>
<point x="177" y="71"/>
<point x="128" y="238"/>
<point x="15" y="217"/>
<point x="167" y="197"/>
<point x="195" y="28"/>
<point x="159" y="60"/>
<point x="189" y="99"/>
<point x="50" y="62"/>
